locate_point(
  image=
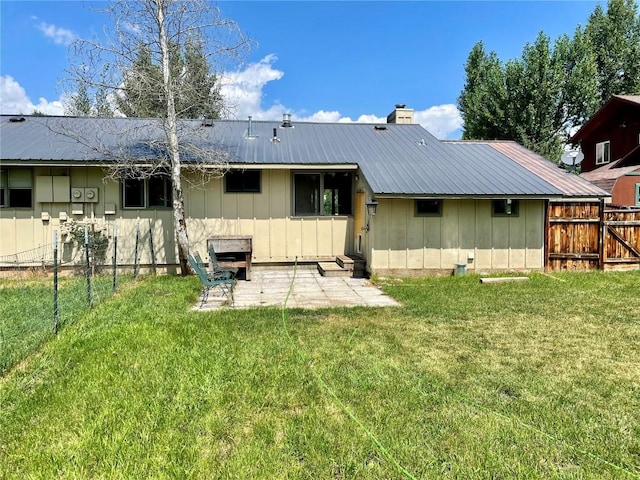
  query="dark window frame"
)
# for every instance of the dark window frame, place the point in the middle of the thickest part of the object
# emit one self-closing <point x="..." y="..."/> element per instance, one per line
<point x="16" y="197"/>
<point x="428" y="207"/>
<point x="243" y="181"/>
<point x="502" y="208"/>
<point x="332" y="195"/>
<point x="146" y="201"/>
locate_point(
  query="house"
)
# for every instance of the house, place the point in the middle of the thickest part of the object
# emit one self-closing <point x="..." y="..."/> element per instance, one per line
<point x="302" y="191"/>
<point x="610" y="141"/>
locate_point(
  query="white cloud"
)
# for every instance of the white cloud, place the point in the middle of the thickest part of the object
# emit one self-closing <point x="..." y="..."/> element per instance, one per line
<point x="14" y="100"/>
<point x="59" y="35"/>
<point x="244" y="91"/>
<point x="443" y="121"/>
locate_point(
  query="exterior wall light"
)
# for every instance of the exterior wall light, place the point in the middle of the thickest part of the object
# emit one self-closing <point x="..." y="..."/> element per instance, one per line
<point x="372" y="206"/>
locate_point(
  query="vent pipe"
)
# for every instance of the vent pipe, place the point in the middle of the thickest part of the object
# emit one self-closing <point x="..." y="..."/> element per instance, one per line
<point x="250" y="129"/>
<point x="286" y="120"/>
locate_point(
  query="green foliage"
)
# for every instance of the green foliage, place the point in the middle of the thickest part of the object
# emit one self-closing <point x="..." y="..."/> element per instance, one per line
<point x="534" y="380"/>
<point x="615" y="39"/>
<point x="85" y="103"/>
<point x="537" y="99"/>
<point x="195" y="87"/>
<point x="98" y="240"/>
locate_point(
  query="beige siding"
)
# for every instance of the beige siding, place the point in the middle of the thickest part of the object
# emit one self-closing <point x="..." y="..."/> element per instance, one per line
<point x="278" y="237"/>
<point x="465" y="233"/>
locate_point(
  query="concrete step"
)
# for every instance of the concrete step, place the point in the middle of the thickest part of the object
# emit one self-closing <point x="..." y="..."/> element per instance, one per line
<point x="332" y="269"/>
<point x="345" y="262"/>
<point x="353" y="263"/>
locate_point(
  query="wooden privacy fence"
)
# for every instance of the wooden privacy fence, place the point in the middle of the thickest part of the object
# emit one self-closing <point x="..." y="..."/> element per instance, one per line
<point x="588" y="235"/>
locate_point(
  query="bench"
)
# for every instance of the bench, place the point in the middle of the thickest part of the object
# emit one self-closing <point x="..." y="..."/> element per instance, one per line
<point x="209" y="280"/>
<point x="232" y="252"/>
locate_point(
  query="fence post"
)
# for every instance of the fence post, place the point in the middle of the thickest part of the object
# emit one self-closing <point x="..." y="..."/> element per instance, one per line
<point x="135" y="255"/>
<point x="87" y="267"/>
<point x="115" y="258"/>
<point x="153" y="255"/>
<point x="602" y="237"/>
<point x="56" y="322"/>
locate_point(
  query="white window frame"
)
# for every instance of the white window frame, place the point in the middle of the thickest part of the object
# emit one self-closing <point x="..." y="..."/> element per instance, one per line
<point x="603" y="152"/>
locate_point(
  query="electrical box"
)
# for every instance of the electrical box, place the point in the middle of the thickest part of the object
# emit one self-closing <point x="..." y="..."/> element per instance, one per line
<point x="61" y="189"/>
<point x="45" y="217"/>
<point x="52" y="189"/>
<point x="109" y="208"/>
<point x="77" y="194"/>
<point x="84" y="194"/>
<point x="77" y="208"/>
<point x="63" y="216"/>
<point x="91" y="195"/>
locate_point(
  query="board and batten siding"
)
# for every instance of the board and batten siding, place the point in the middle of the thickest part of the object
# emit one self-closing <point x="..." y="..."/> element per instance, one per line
<point x="467" y="232"/>
<point x="267" y="217"/>
<point x="278" y="236"/>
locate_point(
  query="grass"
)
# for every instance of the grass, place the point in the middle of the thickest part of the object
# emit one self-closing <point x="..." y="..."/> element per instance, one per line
<point x="26" y="311"/>
<point x="517" y="380"/>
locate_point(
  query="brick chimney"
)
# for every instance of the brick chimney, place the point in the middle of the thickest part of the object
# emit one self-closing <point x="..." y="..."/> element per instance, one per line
<point x="401" y="114"/>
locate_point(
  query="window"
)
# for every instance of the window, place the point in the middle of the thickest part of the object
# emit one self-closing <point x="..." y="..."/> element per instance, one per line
<point x="16" y="188"/>
<point x="242" y="181"/>
<point x="505" y="207"/>
<point x="638" y="194"/>
<point x="429" y="208"/>
<point x="323" y="193"/>
<point x="603" y="153"/>
<point x="153" y="192"/>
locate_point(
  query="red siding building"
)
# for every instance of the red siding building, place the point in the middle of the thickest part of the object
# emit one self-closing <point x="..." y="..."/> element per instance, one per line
<point x="610" y="141"/>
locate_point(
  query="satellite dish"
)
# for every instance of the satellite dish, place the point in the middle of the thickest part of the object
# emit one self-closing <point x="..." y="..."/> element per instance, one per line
<point x="572" y="157"/>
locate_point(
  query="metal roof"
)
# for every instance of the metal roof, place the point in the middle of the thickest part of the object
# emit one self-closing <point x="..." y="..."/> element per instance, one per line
<point x="395" y="159"/>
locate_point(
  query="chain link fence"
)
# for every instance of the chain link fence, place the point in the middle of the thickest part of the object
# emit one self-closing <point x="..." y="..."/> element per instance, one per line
<point x="46" y="288"/>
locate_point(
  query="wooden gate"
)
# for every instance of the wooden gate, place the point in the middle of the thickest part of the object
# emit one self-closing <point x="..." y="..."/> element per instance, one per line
<point x="586" y="235"/>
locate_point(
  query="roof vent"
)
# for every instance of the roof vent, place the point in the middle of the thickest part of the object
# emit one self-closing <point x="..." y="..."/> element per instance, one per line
<point x="250" y="128"/>
<point x="400" y="105"/>
<point x="379" y="127"/>
<point x="286" y="120"/>
<point x="275" y="138"/>
<point x="16" y="119"/>
<point x="207" y="122"/>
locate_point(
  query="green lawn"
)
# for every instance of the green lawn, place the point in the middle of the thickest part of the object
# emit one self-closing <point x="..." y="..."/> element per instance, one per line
<point x="517" y="380"/>
<point x="26" y="311"/>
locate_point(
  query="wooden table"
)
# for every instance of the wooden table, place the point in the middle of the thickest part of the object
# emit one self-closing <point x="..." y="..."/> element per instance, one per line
<point x="233" y="251"/>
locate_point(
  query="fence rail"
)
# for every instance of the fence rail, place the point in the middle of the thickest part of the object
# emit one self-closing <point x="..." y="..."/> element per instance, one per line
<point x="587" y="235"/>
<point x="48" y="287"/>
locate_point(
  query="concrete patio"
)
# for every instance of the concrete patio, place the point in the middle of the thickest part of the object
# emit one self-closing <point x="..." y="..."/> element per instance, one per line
<point x="269" y="288"/>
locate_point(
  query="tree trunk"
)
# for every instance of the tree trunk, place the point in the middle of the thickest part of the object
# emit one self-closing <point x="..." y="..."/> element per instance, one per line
<point x="171" y="129"/>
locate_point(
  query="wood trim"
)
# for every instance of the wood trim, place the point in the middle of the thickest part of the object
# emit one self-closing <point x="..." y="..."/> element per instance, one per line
<point x="619" y="237"/>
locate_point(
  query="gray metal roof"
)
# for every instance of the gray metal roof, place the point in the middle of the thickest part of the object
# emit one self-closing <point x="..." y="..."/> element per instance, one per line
<point x="395" y="159"/>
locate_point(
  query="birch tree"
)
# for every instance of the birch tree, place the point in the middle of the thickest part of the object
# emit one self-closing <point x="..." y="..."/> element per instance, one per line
<point x="157" y="32"/>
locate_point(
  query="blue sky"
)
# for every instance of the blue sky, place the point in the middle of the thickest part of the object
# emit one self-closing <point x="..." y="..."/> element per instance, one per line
<point x="320" y="61"/>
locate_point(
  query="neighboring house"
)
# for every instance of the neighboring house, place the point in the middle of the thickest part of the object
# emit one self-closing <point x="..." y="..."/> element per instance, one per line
<point x="610" y="141"/>
<point x="299" y="189"/>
